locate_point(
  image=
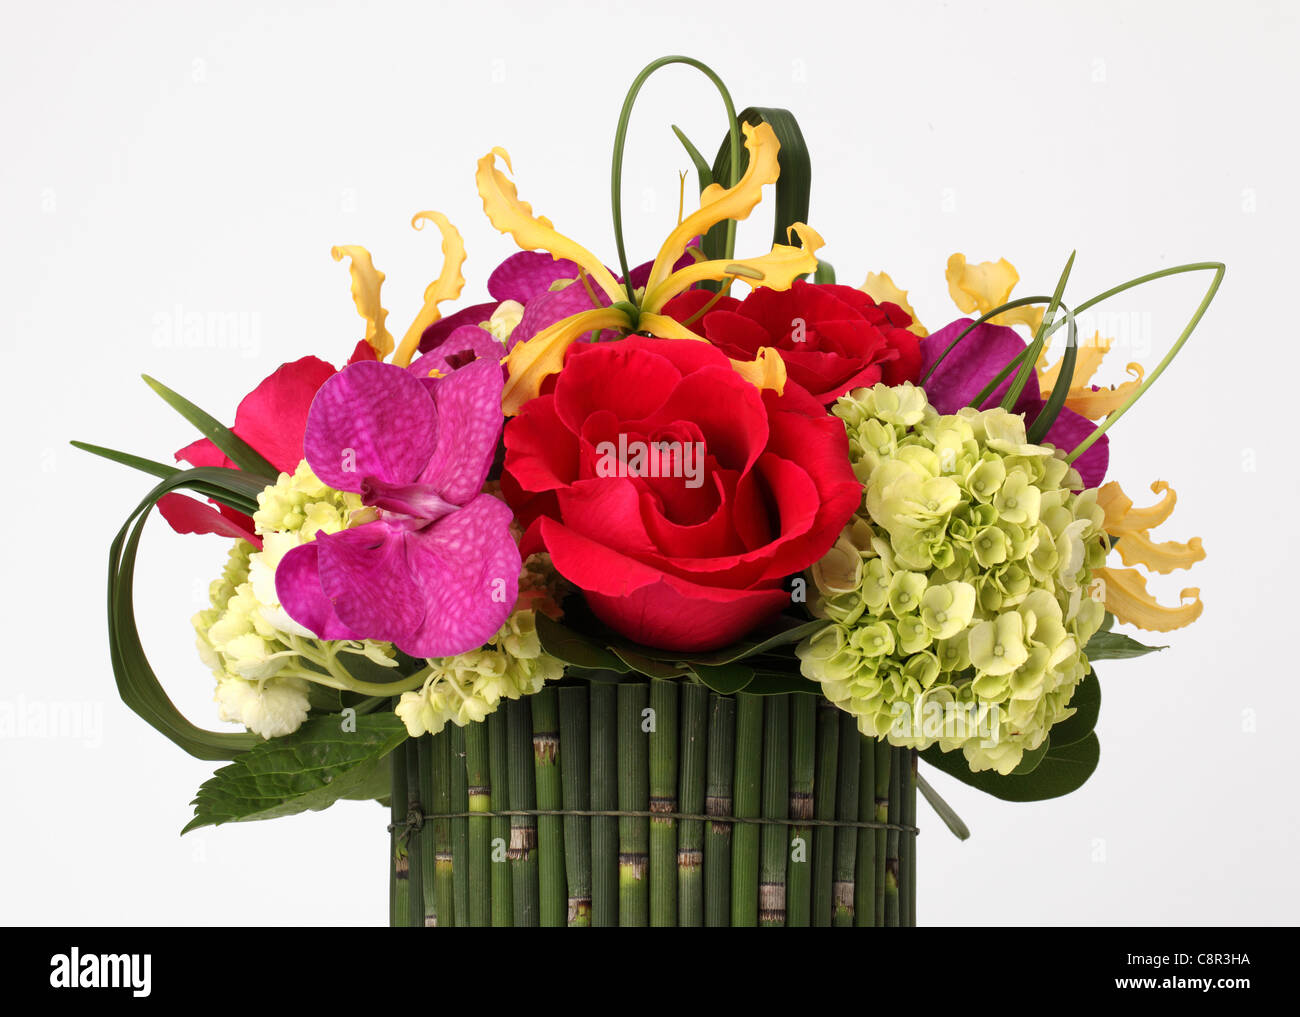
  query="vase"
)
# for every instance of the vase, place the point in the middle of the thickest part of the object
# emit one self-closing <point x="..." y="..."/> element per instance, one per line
<point x="658" y="803"/>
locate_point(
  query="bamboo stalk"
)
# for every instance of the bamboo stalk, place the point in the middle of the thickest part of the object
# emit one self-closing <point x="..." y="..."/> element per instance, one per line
<point x="479" y="795"/>
<point x="864" y="889"/>
<point x="554" y="891"/>
<point x="443" y="889"/>
<point x="718" y="802"/>
<point x="824" y="785"/>
<point x="663" y="798"/>
<point x="575" y="773"/>
<point x="690" y="795"/>
<point x="459" y="826"/>
<point x="604" y="798"/>
<point x="846" y="810"/>
<point x="909" y="839"/>
<point x="774" y="839"/>
<point x="894" y="813"/>
<point x="633" y="796"/>
<point x="399" y="866"/>
<point x="884" y="769"/>
<point x="803" y="747"/>
<point x="503" y="908"/>
<point x="523" y="829"/>
<point x="746" y="800"/>
<point x="419" y="843"/>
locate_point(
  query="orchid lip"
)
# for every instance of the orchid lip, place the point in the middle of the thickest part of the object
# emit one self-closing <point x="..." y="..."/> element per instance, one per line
<point x="420" y="502"/>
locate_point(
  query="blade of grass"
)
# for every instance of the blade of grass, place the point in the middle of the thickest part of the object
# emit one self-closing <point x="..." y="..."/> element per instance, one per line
<point x="236" y="449"/>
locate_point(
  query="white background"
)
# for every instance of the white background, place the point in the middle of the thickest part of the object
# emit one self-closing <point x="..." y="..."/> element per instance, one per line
<point x="162" y="160"/>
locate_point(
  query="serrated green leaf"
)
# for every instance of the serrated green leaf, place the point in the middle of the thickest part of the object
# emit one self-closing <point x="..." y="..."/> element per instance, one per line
<point x="1086" y="702"/>
<point x="1062" y="769"/>
<point x="1116" y="646"/>
<point x="239" y="451"/>
<point x="308" y="770"/>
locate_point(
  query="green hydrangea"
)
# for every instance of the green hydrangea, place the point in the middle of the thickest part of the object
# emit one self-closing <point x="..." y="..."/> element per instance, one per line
<point x="262" y="659"/>
<point x="958" y="594"/>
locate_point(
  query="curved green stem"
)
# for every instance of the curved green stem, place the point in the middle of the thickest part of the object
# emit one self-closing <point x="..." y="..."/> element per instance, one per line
<point x="1204" y="266"/>
<point x="338" y="677"/>
<point x="620" y="139"/>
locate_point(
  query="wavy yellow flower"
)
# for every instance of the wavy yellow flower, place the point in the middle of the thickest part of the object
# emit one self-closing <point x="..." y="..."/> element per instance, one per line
<point x="367" y="281"/>
<point x="1126" y="589"/>
<point x="530" y="362"/>
<point x="880" y="288"/>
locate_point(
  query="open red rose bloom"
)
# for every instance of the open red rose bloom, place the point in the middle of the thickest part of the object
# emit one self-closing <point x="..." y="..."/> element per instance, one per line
<point x="696" y="556"/>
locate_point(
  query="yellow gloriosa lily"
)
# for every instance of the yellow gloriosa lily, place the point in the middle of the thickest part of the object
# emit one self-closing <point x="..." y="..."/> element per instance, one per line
<point x="1125" y="589"/>
<point x="880" y="288"/>
<point x="532" y="361"/>
<point x="978" y="288"/>
<point x="367" y="282"/>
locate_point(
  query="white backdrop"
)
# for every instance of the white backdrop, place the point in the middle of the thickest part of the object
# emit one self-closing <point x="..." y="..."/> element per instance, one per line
<point x="163" y="161"/>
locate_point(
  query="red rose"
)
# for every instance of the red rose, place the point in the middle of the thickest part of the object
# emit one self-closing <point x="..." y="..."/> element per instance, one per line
<point x="832" y="338"/>
<point x="673" y="492"/>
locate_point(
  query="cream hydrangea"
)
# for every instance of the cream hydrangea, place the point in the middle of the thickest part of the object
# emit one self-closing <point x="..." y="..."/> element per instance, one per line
<point x="262" y="659"/>
<point x="958" y="595"/>
<point x="467" y="687"/>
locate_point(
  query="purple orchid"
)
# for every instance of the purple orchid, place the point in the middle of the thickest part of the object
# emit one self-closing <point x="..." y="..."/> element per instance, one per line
<point x="976" y="361"/>
<point x="437" y="572"/>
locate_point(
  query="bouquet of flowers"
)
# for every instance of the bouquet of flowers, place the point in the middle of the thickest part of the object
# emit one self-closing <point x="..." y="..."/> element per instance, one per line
<point x="635" y="598"/>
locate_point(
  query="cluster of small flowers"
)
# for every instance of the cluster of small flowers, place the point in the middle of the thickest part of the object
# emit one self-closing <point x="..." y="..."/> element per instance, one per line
<point x="958" y="595"/>
<point x="263" y="660"/>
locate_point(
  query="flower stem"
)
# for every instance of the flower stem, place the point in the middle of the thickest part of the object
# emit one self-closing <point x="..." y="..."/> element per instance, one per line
<point x="803" y="738"/>
<point x="824" y="785"/>
<point x="547" y="754"/>
<point x="747" y="799"/>
<point x="479" y="794"/>
<point x="633" y="796"/>
<point x="663" y="798"/>
<point x="718" y="802"/>
<point x="499" y="771"/>
<point x="575" y="773"/>
<point x="864" y="887"/>
<point x="775" y="839"/>
<point x="604" y="798"/>
<point x="846" y="838"/>
<point x="523" y="829"/>
<point x="459" y="803"/>
<point x="690" y="796"/>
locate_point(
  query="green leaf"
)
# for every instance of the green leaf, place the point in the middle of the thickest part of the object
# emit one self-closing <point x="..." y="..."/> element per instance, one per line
<point x="793" y="187"/>
<point x="308" y="770"/>
<point x="825" y="272"/>
<point x="1040" y="338"/>
<point x="786" y="632"/>
<point x="1116" y="646"/>
<point x="1064" y="379"/>
<point x="149" y="466"/>
<point x="1086" y="702"/>
<point x="137" y="684"/>
<point x="724" y="679"/>
<point x="703" y="171"/>
<point x="239" y="451"/>
<point x="1030" y="760"/>
<point x="574" y="648"/>
<point x="771" y="683"/>
<point x="1064" y="768"/>
<point x="648" y="666"/>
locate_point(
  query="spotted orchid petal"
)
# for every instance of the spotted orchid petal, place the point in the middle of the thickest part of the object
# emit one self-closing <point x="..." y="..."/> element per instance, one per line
<point x="985" y="285"/>
<point x="447" y="286"/>
<point x="370" y="419"/>
<point x="510" y="214"/>
<point x="776" y="270"/>
<point x="532" y="362"/>
<point x="366" y="284"/>
<point x="471" y="397"/>
<point x="718" y="203"/>
<point x="880" y="288"/>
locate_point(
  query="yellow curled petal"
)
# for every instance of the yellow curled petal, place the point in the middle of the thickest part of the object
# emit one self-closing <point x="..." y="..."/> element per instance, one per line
<point x="510" y="214"/>
<point x="1139" y="549"/>
<point x="366" y="283"/>
<point x="1090" y="354"/>
<point x="1097" y="403"/>
<point x="777" y="269"/>
<point x="531" y="362"/>
<point x="1122" y="518"/>
<point x="1128" y="600"/>
<point x="664" y="327"/>
<point x="880" y="288"/>
<point x="447" y="286"/>
<point x="767" y="370"/>
<point x="718" y="203"/>
<point x="980" y="287"/>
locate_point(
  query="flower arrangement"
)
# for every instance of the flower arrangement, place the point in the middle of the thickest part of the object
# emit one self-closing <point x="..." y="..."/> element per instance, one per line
<point x="637" y="600"/>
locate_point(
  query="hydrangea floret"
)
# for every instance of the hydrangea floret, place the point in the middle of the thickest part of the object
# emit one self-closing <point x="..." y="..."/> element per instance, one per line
<point x="959" y="595"/>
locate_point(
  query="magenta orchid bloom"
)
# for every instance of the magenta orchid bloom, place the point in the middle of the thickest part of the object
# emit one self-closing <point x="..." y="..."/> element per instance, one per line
<point x="437" y="572"/>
